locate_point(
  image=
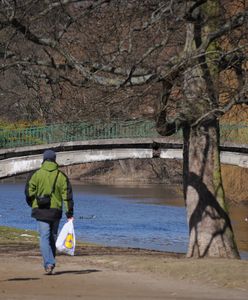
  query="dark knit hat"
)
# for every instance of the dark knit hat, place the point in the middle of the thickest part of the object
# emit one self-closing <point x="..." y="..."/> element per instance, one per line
<point x="49" y="155"/>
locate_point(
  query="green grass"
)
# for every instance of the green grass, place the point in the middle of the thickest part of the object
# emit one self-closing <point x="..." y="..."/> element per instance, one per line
<point x="15" y="235"/>
<point x="11" y="235"/>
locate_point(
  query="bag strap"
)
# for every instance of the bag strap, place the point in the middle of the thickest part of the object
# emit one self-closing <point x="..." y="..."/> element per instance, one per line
<point x="53" y="187"/>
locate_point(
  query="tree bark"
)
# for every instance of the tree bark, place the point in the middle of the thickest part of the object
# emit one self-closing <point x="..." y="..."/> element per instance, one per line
<point x="210" y="230"/>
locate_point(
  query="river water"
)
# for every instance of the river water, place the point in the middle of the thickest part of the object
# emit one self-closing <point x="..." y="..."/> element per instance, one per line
<point x="148" y="216"/>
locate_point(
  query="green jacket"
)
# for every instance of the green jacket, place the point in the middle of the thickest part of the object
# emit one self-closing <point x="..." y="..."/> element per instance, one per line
<point x="41" y="183"/>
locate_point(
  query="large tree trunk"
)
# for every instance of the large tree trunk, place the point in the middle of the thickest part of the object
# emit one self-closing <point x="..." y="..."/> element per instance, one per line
<point x="210" y="230"/>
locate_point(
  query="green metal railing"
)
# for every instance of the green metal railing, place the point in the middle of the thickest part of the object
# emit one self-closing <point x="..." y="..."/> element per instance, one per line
<point x="75" y="132"/>
<point x="83" y="131"/>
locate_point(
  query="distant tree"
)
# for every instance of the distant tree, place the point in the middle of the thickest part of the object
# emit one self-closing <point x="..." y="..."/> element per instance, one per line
<point x="114" y="56"/>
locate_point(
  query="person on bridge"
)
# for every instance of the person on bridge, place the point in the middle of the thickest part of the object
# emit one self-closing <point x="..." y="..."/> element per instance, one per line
<point x="47" y="189"/>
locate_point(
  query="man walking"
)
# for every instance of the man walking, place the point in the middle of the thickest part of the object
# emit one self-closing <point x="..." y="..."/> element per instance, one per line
<point x="47" y="191"/>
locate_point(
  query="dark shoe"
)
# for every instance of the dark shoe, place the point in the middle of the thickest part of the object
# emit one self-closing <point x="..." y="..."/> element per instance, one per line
<point x="49" y="269"/>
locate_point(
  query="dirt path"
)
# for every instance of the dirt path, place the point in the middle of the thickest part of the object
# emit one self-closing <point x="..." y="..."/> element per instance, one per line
<point x="115" y="274"/>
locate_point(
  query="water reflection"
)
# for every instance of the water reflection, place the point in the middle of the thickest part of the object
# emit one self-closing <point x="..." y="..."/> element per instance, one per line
<point x="147" y="216"/>
<point x="172" y="195"/>
<point x="240" y="227"/>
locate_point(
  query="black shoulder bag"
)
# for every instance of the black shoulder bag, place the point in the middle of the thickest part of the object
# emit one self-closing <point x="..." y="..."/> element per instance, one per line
<point x="45" y="200"/>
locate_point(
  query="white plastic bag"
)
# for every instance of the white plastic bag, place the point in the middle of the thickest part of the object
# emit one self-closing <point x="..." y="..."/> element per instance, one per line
<point x="66" y="240"/>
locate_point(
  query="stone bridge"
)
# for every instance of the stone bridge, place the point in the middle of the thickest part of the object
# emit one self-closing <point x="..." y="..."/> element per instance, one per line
<point x="19" y="160"/>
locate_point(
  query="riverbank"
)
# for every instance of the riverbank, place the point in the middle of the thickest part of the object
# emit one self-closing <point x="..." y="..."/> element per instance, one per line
<point x="157" y="171"/>
<point x="149" y="171"/>
<point x="111" y="273"/>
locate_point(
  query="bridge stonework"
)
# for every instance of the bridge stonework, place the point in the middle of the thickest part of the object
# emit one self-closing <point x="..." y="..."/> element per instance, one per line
<point x="21" y="160"/>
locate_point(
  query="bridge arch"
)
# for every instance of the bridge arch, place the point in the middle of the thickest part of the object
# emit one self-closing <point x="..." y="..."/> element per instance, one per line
<point x="15" y="161"/>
